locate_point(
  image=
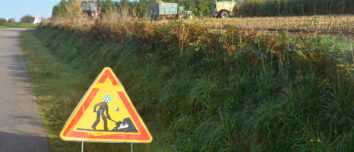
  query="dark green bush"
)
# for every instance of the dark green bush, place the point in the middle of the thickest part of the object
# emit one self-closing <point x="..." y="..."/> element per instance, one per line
<point x="3" y="21"/>
<point x="27" y="19"/>
<point x="11" y="20"/>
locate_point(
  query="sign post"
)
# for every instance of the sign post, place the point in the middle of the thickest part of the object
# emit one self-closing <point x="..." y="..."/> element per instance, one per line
<point x="106" y="114"/>
<point x="82" y="146"/>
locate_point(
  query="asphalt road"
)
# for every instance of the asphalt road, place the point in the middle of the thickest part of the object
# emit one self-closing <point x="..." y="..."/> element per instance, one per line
<point x="21" y="126"/>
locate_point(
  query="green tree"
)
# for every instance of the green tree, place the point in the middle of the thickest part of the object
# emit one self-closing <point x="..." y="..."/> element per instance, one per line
<point x="198" y="7"/>
<point x="3" y="21"/>
<point x="142" y="7"/>
<point x="106" y="5"/>
<point x="11" y="20"/>
<point x="59" y="9"/>
<point x="27" y="19"/>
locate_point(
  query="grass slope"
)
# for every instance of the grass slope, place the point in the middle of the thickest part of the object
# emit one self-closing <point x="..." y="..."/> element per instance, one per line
<point x="262" y="93"/>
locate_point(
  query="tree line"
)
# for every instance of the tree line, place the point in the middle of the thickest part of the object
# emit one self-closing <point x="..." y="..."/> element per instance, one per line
<point x="24" y="19"/>
<point x="139" y="8"/>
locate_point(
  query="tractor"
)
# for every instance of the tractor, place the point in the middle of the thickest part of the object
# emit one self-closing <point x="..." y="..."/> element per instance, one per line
<point x="90" y="8"/>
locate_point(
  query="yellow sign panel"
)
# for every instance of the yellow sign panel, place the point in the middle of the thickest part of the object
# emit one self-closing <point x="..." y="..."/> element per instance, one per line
<point x="106" y="114"/>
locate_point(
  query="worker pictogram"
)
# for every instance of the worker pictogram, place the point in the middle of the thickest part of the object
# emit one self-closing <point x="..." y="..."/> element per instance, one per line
<point x="106" y="114"/>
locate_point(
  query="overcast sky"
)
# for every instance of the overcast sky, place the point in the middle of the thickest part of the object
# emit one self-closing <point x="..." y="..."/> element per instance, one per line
<point x="18" y="8"/>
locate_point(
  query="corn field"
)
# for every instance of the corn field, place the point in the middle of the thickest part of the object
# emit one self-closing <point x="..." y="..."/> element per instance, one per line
<point x="305" y="24"/>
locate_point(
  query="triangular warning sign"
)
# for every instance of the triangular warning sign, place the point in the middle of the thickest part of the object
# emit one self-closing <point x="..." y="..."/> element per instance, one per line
<point x="106" y="114"/>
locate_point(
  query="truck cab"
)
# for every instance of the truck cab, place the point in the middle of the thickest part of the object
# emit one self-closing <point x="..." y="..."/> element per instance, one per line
<point x="224" y="8"/>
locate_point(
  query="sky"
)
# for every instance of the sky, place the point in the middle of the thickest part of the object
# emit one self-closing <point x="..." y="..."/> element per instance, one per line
<point x="18" y="8"/>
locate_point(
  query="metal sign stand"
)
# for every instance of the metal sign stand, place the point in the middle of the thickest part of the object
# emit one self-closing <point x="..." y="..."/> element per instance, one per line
<point x="82" y="143"/>
<point x="82" y="146"/>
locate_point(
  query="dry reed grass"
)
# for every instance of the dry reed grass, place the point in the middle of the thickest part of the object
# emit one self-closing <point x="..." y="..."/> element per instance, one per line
<point x="304" y="24"/>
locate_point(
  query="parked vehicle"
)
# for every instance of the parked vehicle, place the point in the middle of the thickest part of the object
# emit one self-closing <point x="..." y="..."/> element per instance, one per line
<point x="161" y="11"/>
<point x="224" y="8"/>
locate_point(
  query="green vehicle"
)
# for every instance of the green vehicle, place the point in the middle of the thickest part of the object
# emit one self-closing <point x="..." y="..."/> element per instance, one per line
<point x="186" y="14"/>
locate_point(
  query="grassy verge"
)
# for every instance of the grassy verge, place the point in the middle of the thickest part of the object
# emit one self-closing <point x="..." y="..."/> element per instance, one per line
<point x="200" y="91"/>
<point x="49" y="82"/>
<point x="58" y="89"/>
<point x="18" y="25"/>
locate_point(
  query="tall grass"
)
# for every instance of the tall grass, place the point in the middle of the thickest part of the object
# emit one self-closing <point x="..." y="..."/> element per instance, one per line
<point x="204" y="91"/>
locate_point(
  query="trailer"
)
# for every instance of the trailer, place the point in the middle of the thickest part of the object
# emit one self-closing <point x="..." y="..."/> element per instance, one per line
<point x="161" y="11"/>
